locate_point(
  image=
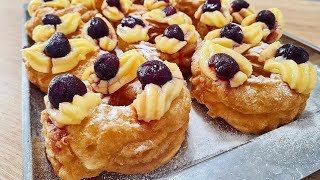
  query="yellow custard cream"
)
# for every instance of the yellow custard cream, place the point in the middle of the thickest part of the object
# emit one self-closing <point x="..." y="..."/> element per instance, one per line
<point x="133" y="35"/>
<point x="280" y="23"/>
<point x="79" y="50"/>
<point x="300" y="77"/>
<point x="74" y="112"/>
<point x="157" y="15"/>
<point x="209" y="48"/>
<point x="265" y="51"/>
<point x="155" y="4"/>
<point x="35" y="57"/>
<point x="251" y="35"/>
<point x="42" y="33"/>
<point x="69" y="24"/>
<point x="215" y="36"/>
<point x="216" y="18"/>
<point x="113" y="13"/>
<point x="40" y="62"/>
<point x="155" y="101"/>
<point x="172" y="45"/>
<point x="129" y="64"/>
<point x="35" y="4"/>
<point x="238" y="17"/>
<point x="169" y="45"/>
<point x="90" y="4"/>
<point x="107" y="43"/>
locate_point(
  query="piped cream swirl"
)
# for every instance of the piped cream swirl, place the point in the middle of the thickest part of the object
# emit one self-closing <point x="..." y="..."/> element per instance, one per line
<point x="172" y="45"/>
<point x="157" y="15"/>
<point x="107" y="43"/>
<point x="300" y="77"/>
<point x="133" y="35"/>
<point x="113" y="13"/>
<point x="40" y="62"/>
<point x="216" y="18"/>
<point x="69" y="24"/>
<point x="155" y="101"/>
<point x="70" y="113"/>
<point x="129" y="63"/>
<point x="209" y="48"/>
<point x="155" y="4"/>
<point x="35" y="4"/>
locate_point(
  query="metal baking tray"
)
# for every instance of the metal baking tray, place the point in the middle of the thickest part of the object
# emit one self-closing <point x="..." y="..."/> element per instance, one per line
<point x="212" y="149"/>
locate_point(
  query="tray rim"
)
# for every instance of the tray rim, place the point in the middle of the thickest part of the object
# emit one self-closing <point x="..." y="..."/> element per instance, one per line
<point x="27" y="162"/>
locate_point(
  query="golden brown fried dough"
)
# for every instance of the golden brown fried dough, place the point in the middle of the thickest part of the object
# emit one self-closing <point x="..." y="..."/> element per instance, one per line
<point x="112" y="139"/>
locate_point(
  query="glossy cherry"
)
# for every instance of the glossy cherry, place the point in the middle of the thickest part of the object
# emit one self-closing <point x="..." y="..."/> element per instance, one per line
<point x="296" y="53"/>
<point x="113" y="3"/>
<point x="267" y="17"/>
<point x="225" y="66"/>
<point x="131" y="21"/>
<point x="97" y="28"/>
<point x="232" y="31"/>
<point x="106" y="66"/>
<point x="174" y="31"/>
<point x="51" y="19"/>
<point x="169" y="10"/>
<point x="237" y="5"/>
<point x="211" y="5"/>
<point x="63" y="88"/>
<point x="155" y="72"/>
<point x="57" y="46"/>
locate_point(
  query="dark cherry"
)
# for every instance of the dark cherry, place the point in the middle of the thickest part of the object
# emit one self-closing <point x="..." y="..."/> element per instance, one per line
<point x="169" y="10"/>
<point x="57" y="46"/>
<point x="211" y="5"/>
<point x="51" y="19"/>
<point x="139" y="2"/>
<point x="106" y="66"/>
<point x="167" y="1"/>
<point x="267" y="17"/>
<point x="97" y="28"/>
<point x="232" y="31"/>
<point x="113" y="3"/>
<point x="155" y="72"/>
<point x="131" y="21"/>
<point x="213" y="1"/>
<point x="296" y="53"/>
<point x="174" y="31"/>
<point x="225" y="66"/>
<point x="63" y="88"/>
<point x="237" y="5"/>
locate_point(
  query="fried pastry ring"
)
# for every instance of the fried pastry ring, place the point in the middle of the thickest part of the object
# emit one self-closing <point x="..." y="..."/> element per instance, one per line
<point x="36" y="19"/>
<point x="41" y="68"/>
<point x="128" y="139"/>
<point x="123" y="145"/>
<point x="259" y="105"/>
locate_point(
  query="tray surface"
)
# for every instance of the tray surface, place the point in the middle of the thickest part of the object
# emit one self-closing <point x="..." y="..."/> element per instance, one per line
<point x="212" y="148"/>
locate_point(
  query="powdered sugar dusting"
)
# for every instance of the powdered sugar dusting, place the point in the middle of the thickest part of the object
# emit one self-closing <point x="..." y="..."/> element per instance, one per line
<point x="109" y="116"/>
<point x="250" y="91"/>
<point x="149" y="52"/>
<point x="144" y="147"/>
<point x="136" y="86"/>
<point x="258" y="49"/>
<point x="285" y="89"/>
<point x="274" y="78"/>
